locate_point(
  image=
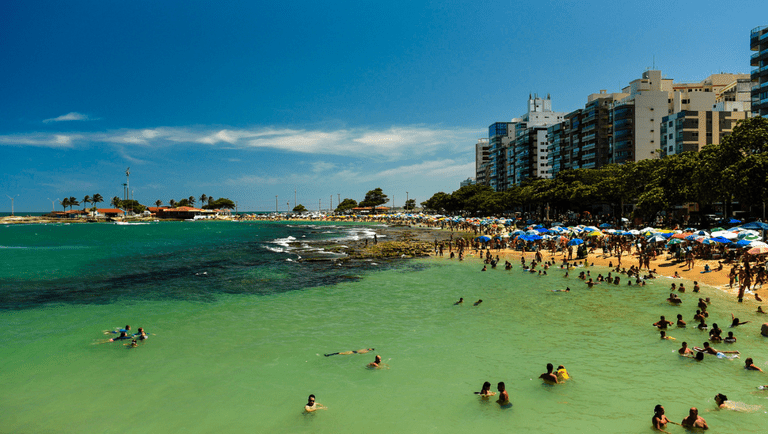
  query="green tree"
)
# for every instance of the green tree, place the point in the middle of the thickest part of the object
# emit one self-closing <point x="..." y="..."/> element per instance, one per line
<point x="203" y="199"/>
<point x="299" y="209"/>
<point x="133" y="205"/>
<point x="183" y="202"/>
<point x="86" y="201"/>
<point x="374" y="198"/>
<point x="116" y="202"/>
<point x="97" y="199"/>
<point x="73" y="202"/>
<point x="410" y="204"/>
<point x="440" y="202"/>
<point x="158" y="203"/>
<point x="346" y="205"/>
<point x="220" y="203"/>
<point x="172" y="203"/>
<point x="191" y="200"/>
<point x="64" y="203"/>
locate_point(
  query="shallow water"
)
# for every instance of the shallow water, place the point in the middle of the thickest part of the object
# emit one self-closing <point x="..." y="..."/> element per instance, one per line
<point x="240" y="349"/>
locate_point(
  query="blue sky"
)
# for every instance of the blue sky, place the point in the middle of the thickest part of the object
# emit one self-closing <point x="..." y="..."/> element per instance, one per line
<point x="249" y="100"/>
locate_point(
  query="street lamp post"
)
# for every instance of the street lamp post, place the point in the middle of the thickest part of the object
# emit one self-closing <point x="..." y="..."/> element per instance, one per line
<point x="12" y="198"/>
<point x="406" y="199"/>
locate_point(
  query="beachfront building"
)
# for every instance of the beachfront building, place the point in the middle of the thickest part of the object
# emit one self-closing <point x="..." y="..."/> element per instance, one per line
<point x="482" y="157"/>
<point x="758" y="41"/>
<point x="637" y="118"/>
<point x="692" y="130"/>
<point x="527" y="154"/>
<point x="499" y="136"/>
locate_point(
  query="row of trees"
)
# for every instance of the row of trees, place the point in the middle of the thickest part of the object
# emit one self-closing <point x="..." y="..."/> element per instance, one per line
<point x="72" y="201"/>
<point x="735" y="170"/>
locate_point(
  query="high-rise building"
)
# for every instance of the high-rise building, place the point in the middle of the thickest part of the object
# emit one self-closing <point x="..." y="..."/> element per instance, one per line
<point x="496" y="168"/>
<point x="482" y="157"/>
<point x="527" y="155"/>
<point x="758" y="41"/>
<point x="692" y="130"/>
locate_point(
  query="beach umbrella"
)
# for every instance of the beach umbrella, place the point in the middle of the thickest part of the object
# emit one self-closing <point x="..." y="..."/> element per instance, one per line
<point x="758" y="250"/>
<point x="674" y="241"/>
<point x="679" y="236"/>
<point x="742" y="243"/>
<point x="734" y="221"/>
<point x="575" y="242"/>
<point x="483" y="238"/>
<point x="756" y="225"/>
<point x="717" y="229"/>
<point x="557" y="224"/>
<point x="656" y="239"/>
<point x="605" y="225"/>
<point x="690" y="237"/>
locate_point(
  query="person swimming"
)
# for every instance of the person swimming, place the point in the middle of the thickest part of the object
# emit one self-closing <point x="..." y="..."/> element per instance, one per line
<point x="485" y="391"/>
<point x="118" y="331"/>
<point x="548" y="376"/>
<point x="313" y="406"/>
<point x="461" y="300"/>
<point x="477" y="303"/>
<point x="346" y="353"/>
<point x="562" y="374"/>
<point x="376" y="363"/>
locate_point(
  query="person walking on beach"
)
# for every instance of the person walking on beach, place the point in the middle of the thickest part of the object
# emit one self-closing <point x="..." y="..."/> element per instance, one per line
<point x="694" y="420"/>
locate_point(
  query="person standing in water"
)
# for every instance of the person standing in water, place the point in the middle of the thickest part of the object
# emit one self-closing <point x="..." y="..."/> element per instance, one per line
<point x="548" y="376"/>
<point x="694" y="420"/>
<point x="503" y="395"/>
<point x="313" y="406"/>
<point x="485" y="391"/>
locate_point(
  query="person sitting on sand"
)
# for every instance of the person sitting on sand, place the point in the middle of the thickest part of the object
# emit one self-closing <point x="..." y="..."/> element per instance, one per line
<point x="485" y="391"/>
<point x="736" y="322"/>
<point x="684" y="350"/>
<point x="694" y="420"/>
<point x="477" y="303"/>
<point x="749" y="365"/>
<point x="313" y="406"/>
<point x="548" y="376"/>
<point x="662" y="323"/>
<point x="706" y="268"/>
<point x="346" y="353"/>
<point x="461" y="300"/>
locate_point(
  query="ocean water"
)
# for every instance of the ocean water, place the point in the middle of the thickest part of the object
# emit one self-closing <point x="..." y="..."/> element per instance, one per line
<point x="239" y="328"/>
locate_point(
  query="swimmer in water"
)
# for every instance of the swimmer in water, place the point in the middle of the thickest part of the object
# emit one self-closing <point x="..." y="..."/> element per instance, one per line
<point x="503" y="395"/>
<point x="680" y="322"/>
<point x="548" y="376"/>
<point x="461" y="300"/>
<point x="711" y="350"/>
<point x="313" y="406"/>
<point x="736" y="322"/>
<point x="750" y="366"/>
<point x="662" y="323"/>
<point x="123" y="335"/>
<point x="477" y="303"/>
<point x="376" y="363"/>
<point x="659" y="420"/>
<point x="485" y="391"/>
<point x="118" y="331"/>
<point x="561" y="290"/>
<point x="346" y="353"/>
<point x="694" y="420"/>
<point x="684" y="350"/>
<point x="760" y="309"/>
<point x="133" y="344"/>
<point x="664" y="336"/>
<point x="562" y="374"/>
<point x="141" y="335"/>
<point x="730" y="339"/>
<point x="721" y="399"/>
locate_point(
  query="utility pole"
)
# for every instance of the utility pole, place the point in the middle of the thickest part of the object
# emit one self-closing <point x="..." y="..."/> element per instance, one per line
<point x="294" y="198"/>
<point x="330" y="207"/>
<point x="319" y="209"/>
<point x="128" y="179"/>
<point x="406" y="199"/>
<point x="275" y="204"/>
<point x="12" y="198"/>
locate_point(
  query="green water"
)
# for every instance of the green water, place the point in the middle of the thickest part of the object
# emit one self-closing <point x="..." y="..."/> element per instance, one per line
<point x="245" y="362"/>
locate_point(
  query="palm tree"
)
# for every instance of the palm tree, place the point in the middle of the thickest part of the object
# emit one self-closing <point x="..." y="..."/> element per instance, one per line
<point x="172" y="203"/>
<point x="73" y="202"/>
<point x="191" y="200"/>
<point x="158" y="203"/>
<point x="97" y="198"/>
<point x="86" y="201"/>
<point x="203" y="199"/>
<point x="116" y="202"/>
<point x="64" y="203"/>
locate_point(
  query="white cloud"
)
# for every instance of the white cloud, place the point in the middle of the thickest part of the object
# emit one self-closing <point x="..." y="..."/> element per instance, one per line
<point x="391" y="144"/>
<point x="71" y="116"/>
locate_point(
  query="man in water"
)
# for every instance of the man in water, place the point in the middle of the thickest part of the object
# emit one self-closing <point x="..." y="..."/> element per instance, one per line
<point x="548" y="376"/>
<point x="376" y="363"/>
<point x="684" y="350"/>
<point x="694" y="420"/>
<point x="461" y="300"/>
<point x="477" y="303"/>
<point x="662" y="323"/>
<point x="503" y="395"/>
<point x="346" y="353"/>
<point x="313" y="406"/>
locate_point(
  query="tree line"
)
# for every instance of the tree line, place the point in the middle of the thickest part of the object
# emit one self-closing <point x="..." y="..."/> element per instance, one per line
<point x="736" y="170"/>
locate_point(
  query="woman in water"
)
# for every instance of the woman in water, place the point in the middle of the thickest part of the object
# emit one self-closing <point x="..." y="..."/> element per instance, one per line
<point x="749" y="365"/>
<point x="485" y="391"/>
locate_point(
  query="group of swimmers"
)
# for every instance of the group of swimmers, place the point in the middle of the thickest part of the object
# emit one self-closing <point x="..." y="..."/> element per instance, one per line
<point x="124" y="334"/>
<point x="549" y="377"/>
<point x="312" y="406"/>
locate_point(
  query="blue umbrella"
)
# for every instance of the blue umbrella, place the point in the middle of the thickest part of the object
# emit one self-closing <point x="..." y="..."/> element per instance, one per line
<point x="575" y="241"/>
<point x="734" y="221"/>
<point x="605" y="225"/>
<point x="743" y="243"/>
<point x="756" y="225"/>
<point x="483" y="238"/>
<point x="530" y="237"/>
<point x="542" y="230"/>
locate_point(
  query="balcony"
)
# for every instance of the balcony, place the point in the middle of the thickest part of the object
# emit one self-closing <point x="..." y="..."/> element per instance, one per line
<point x="588" y="147"/>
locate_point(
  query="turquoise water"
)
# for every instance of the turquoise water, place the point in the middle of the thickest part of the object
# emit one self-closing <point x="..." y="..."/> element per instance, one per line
<point x="240" y="348"/>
